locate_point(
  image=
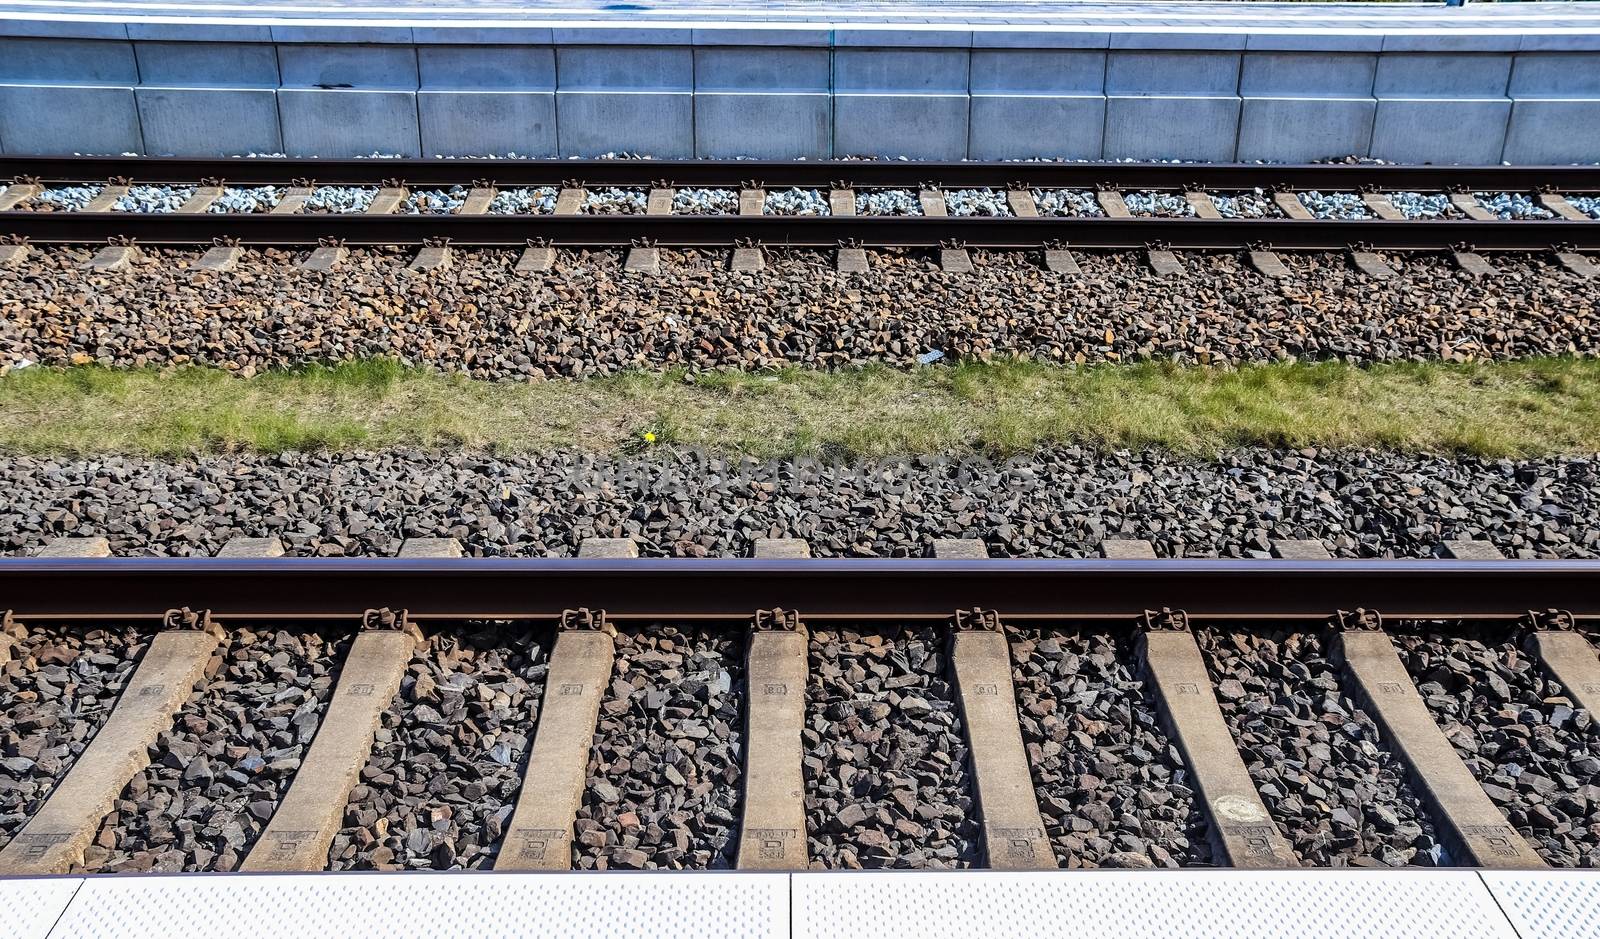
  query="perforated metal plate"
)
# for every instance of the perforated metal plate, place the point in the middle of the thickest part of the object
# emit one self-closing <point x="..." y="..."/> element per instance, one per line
<point x="1163" y="904"/>
<point x="29" y="906"/>
<point x="386" y="906"/>
<point x="1549" y="904"/>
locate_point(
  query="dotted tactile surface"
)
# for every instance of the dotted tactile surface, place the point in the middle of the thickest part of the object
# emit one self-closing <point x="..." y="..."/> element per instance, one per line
<point x="1549" y="905"/>
<point x="29" y="906"/>
<point x="1169" y="904"/>
<point x="388" y="906"/>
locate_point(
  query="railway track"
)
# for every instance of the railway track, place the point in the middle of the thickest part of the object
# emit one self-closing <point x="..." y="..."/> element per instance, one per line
<point x="1016" y="190"/>
<point x="800" y="644"/>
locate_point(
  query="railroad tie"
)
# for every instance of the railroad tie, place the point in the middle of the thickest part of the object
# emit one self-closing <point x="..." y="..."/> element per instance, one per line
<point x="772" y="832"/>
<point x="570" y="200"/>
<point x="1561" y="207"/>
<point x="932" y="202"/>
<point x="752" y="201"/>
<point x="841" y="201"/>
<point x="1476" y="833"/>
<point x="1268" y="263"/>
<point x="1112" y="203"/>
<point x="252" y="548"/>
<point x="107" y="198"/>
<point x="293" y="201"/>
<point x="1022" y="203"/>
<point x="643" y="259"/>
<point x="1127" y="549"/>
<point x="536" y="259"/>
<point x="1577" y="263"/>
<point x="18" y="193"/>
<point x="1242" y="831"/>
<point x="539" y="835"/>
<point x="1164" y="262"/>
<point x="1058" y="260"/>
<point x="54" y="839"/>
<point x="1376" y="679"/>
<point x="479" y="198"/>
<point x="1300" y="550"/>
<point x="222" y="256"/>
<point x="1291" y="205"/>
<point x="1471" y="207"/>
<point x="312" y="811"/>
<point x="747" y="259"/>
<point x="851" y="259"/>
<point x="203" y="196"/>
<point x="771" y="548"/>
<point x="1202" y="204"/>
<point x="13" y="254"/>
<point x="1566" y="656"/>
<point x="955" y="260"/>
<point x="1473" y="264"/>
<point x="1008" y="806"/>
<point x="435" y="255"/>
<point x="326" y="256"/>
<point x="114" y="257"/>
<point x="659" y="201"/>
<point x="1382" y="206"/>
<point x="1370" y="263"/>
<point x="388" y="199"/>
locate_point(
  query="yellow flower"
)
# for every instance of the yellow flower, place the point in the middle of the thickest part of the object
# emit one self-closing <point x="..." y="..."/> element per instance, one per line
<point x="649" y="437"/>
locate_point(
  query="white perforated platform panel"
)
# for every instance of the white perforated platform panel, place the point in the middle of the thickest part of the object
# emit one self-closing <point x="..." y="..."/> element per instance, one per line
<point x="392" y="906"/>
<point x="1159" y="904"/>
<point x="29" y="906"/>
<point x="1549" y="904"/>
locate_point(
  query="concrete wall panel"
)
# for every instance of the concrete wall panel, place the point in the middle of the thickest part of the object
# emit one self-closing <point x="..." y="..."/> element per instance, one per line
<point x="901" y="71"/>
<point x="775" y="126"/>
<point x="1442" y="75"/>
<point x="1556" y="75"/>
<point x="1196" y="74"/>
<point x="1307" y="75"/>
<point x="348" y="123"/>
<point x="922" y="127"/>
<point x="1432" y="130"/>
<point x="497" y="123"/>
<point x="1171" y="128"/>
<point x="659" y="123"/>
<point x="1015" y="127"/>
<point x="209" y="121"/>
<point x="1554" y="130"/>
<point x="1035" y="71"/>
<point x="207" y="64"/>
<point x="1300" y="130"/>
<point x="490" y="68"/>
<point x="336" y="66"/>
<point x="760" y="69"/>
<point x="625" y="68"/>
<point x="67" y="62"/>
<point x="63" y="119"/>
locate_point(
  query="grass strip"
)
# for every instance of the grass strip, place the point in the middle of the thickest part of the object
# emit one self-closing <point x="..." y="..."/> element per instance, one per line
<point x="1522" y="408"/>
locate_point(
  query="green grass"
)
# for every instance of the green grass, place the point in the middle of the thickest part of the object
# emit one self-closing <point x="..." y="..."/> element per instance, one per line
<point x="1534" y="407"/>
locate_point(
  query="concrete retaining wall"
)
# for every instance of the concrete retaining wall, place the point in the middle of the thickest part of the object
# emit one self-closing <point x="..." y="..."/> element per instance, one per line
<point x="790" y="93"/>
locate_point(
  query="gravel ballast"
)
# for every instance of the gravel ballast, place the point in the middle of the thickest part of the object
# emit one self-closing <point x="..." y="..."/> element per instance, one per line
<point x="217" y="774"/>
<point x="1060" y="502"/>
<point x="1112" y="788"/>
<point x="885" y="754"/>
<point x="1317" y="759"/>
<point x="1537" y="758"/>
<point x="442" y="780"/>
<point x="55" y="693"/>
<point x="589" y="317"/>
<point x="664" y="776"/>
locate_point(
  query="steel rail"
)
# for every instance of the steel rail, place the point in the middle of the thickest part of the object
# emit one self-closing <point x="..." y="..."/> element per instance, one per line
<point x="730" y="173"/>
<point x="855" y="589"/>
<point x="777" y="231"/>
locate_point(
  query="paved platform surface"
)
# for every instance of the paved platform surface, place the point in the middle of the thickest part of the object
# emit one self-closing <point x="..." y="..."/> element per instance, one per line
<point x="1369" y="904"/>
<point x="915" y="15"/>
